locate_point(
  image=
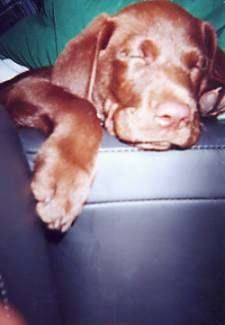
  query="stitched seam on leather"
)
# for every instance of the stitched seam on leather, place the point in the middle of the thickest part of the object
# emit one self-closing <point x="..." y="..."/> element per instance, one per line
<point x="216" y="199"/>
<point x="105" y="150"/>
<point x="209" y="147"/>
<point x="131" y="150"/>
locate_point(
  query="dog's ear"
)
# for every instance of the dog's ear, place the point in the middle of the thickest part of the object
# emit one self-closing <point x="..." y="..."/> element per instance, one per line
<point x="209" y="40"/>
<point x="75" y="68"/>
<point x="218" y="72"/>
<point x="212" y="101"/>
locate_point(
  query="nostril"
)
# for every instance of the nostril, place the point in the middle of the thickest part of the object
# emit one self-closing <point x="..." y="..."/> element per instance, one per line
<point x="164" y="120"/>
<point x="169" y="113"/>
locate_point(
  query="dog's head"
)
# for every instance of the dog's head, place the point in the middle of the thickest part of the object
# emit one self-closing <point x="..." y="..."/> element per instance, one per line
<point x="149" y="72"/>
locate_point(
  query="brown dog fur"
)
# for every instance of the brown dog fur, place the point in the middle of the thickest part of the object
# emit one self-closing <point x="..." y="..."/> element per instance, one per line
<point x="147" y="74"/>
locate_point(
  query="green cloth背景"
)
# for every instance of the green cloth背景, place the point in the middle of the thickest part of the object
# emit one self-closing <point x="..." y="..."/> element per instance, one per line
<point x="36" y="41"/>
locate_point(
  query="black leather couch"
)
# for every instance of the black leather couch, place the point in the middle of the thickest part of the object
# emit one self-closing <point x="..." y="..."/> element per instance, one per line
<point x="149" y="247"/>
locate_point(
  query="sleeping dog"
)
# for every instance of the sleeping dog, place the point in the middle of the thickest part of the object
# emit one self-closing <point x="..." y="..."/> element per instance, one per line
<point x="146" y="74"/>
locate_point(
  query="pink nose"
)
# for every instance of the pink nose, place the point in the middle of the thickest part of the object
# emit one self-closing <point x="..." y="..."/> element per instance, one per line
<point x="171" y="113"/>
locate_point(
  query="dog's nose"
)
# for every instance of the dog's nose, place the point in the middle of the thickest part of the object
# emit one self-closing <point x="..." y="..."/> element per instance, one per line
<point x="171" y="114"/>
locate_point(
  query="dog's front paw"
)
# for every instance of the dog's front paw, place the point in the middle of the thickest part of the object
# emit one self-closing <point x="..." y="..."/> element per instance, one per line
<point x="61" y="188"/>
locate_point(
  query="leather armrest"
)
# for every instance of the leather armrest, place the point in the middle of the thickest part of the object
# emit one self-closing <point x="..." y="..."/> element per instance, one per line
<point x="148" y="247"/>
<point x="125" y="173"/>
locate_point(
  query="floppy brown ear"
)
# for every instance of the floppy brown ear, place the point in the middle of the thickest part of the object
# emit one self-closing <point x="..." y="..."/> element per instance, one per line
<point x="212" y="101"/>
<point x="218" y="73"/>
<point x="76" y="66"/>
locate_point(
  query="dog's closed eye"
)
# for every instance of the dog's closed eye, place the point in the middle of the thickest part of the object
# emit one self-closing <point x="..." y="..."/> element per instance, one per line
<point x="193" y="59"/>
<point x="145" y="52"/>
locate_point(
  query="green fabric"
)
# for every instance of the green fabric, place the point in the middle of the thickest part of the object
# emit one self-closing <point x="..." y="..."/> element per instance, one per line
<point x="200" y="8"/>
<point x="36" y="41"/>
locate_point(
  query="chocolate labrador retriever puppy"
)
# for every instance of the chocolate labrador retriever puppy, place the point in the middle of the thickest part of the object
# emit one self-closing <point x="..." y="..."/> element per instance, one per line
<point x="146" y="74"/>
